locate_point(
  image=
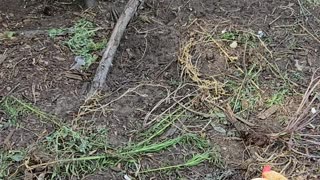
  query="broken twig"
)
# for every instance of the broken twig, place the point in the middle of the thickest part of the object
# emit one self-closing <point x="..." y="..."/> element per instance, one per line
<point x="114" y="41"/>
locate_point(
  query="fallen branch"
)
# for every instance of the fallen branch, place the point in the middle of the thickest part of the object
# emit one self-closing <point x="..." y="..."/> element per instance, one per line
<point x="113" y="43"/>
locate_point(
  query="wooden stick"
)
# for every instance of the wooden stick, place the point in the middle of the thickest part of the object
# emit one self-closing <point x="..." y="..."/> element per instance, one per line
<point x="106" y="62"/>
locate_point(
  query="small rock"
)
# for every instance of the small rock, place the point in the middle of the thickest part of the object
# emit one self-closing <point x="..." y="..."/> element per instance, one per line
<point x="42" y="176"/>
<point x="261" y="34"/>
<point x="131" y="55"/>
<point x="313" y="110"/>
<point x="8" y="88"/>
<point x="234" y="44"/>
<point x="126" y="177"/>
<point x="298" y="66"/>
<point x="79" y="63"/>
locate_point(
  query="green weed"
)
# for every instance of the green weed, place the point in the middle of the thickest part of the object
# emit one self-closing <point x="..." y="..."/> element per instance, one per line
<point x="296" y="76"/>
<point x="231" y="36"/>
<point x="246" y="94"/>
<point x="12" y="110"/>
<point x="277" y="98"/>
<point x="65" y="140"/>
<point x="81" y="42"/>
<point x="7" y="35"/>
<point x="69" y="152"/>
<point x="7" y="160"/>
<point x="73" y="151"/>
<point x="242" y="37"/>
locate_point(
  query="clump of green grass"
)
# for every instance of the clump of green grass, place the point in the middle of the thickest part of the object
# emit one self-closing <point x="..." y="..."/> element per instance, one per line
<point x="81" y="41"/>
<point x="77" y="154"/>
<point x="69" y="152"/>
<point x="65" y="140"/>
<point x="148" y="145"/>
<point x="158" y="146"/>
<point x="211" y="156"/>
<point x="78" y="164"/>
<point x="160" y="127"/>
<point x="74" y="151"/>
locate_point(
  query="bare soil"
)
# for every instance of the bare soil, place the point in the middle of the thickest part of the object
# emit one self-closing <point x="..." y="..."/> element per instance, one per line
<point x="36" y="69"/>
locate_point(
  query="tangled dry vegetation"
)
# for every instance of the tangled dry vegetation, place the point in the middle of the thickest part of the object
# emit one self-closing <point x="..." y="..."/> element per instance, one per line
<point x="294" y="148"/>
<point x="235" y="84"/>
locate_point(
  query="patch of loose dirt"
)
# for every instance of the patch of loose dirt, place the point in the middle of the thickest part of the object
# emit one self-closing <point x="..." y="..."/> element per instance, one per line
<point x="36" y="67"/>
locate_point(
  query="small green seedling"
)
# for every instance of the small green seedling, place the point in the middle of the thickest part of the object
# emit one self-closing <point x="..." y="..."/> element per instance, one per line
<point x="56" y="32"/>
<point x="231" y="36"/>
<point x="277" y="98"/>
<point x="7" y="35"/>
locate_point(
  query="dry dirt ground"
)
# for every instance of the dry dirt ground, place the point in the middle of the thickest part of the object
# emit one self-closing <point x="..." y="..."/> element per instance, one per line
<point x="210" y="68"/>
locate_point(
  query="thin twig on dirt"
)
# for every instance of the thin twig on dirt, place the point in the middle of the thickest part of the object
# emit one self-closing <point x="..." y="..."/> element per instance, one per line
<point x="96" y="107"/>
<point x="144" y="51"/>
<point x="312" y="35"/>
<point x="114" y="41"/>
<point x="234" y="119"/>
<point x="148" y="122"/>
<point x="164" y="69"/>
<point x="157" y="105"/>
<point x="126" y="93"/>
<point x="3" y="56"/>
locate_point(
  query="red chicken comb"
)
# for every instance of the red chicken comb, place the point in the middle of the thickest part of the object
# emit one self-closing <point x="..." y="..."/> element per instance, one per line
<point x="266" y="168"/>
